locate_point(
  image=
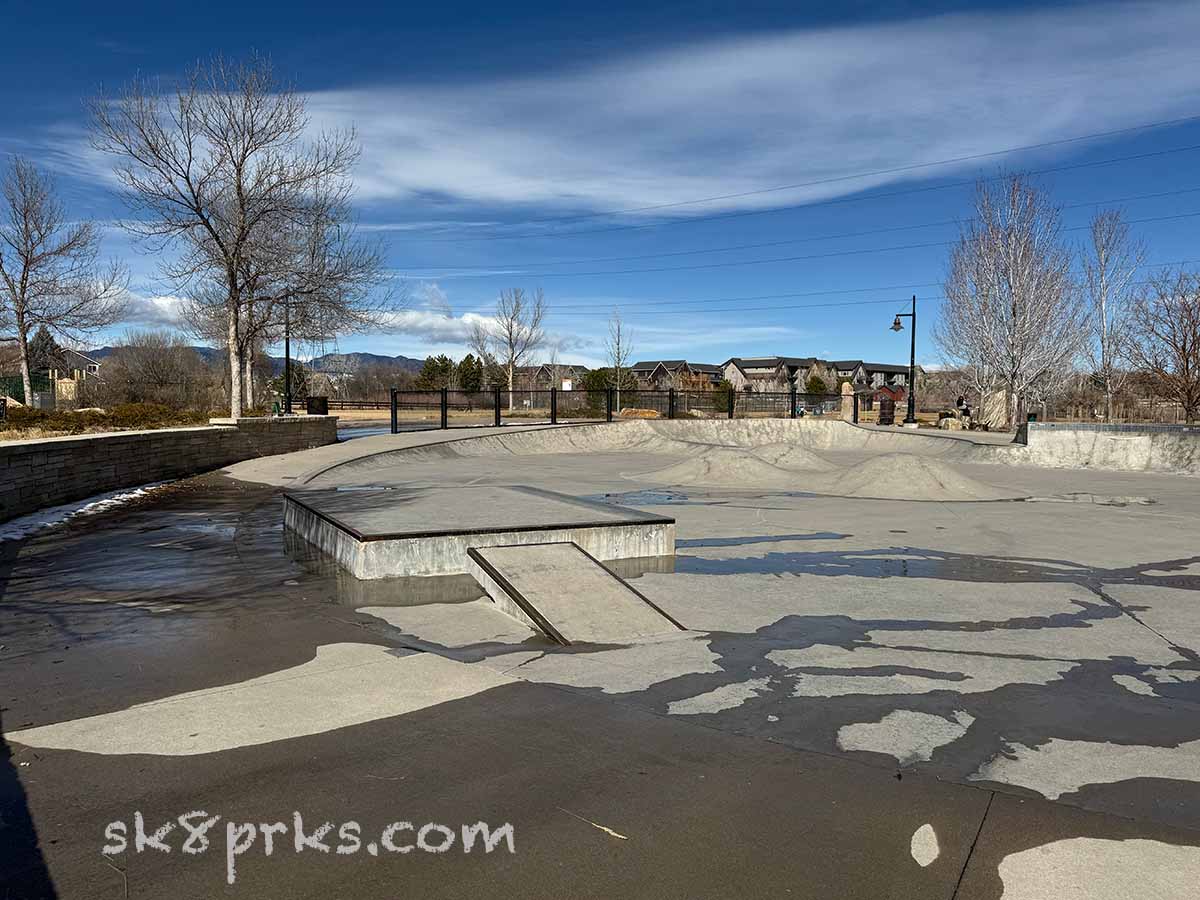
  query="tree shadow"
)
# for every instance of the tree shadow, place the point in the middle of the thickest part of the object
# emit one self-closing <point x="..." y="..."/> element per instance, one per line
<point x="22" y="866"/>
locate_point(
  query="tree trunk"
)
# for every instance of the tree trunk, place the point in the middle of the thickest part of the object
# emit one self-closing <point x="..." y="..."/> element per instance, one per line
<point x="248" y="378"/>
<point x="23" y="345"/>
<point x="235" y="362"/>
<point x="511" y="374"/>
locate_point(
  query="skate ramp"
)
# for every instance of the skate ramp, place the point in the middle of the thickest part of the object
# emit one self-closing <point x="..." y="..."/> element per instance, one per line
<point x="565" y="593"/>
<point x="903" y="476"/>
<point x="725" y="468"/>
<point x="792" y="458"/>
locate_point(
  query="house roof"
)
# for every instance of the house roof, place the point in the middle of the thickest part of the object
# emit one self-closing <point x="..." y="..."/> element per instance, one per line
<point x="674" y="365"/>
<point x="83" y="356"/>
<point x="886" y="367"/>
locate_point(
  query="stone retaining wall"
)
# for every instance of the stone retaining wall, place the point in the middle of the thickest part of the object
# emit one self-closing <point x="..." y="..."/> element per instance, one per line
<point x="51" y="471"/>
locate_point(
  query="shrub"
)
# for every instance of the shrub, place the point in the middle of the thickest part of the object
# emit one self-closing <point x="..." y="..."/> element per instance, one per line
<point x="122" y="416"/>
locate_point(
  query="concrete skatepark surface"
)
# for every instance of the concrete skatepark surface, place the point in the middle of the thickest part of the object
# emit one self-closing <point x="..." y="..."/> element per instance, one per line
<point x="906" y="697"/>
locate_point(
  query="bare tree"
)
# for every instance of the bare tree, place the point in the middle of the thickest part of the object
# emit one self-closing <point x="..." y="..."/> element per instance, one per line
<point x="514" y="334"/>
<point x="1164" y="338"/>
<point x="49" y="269"/>
<point x="1110" y="264"/>
<point x="310" y="280"/>
<point x="156" y="366"/>
<point x="1012" y="314"/>
<point x="218" y="168"/>
<point x="619" y="348"/>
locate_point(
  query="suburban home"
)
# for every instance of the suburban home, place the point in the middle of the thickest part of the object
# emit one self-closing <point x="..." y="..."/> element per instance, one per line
<point x="779" y="374"/>
<point x="562" y="376"/>
<point x="776" y="374"/>
<point x="664" y="374"/>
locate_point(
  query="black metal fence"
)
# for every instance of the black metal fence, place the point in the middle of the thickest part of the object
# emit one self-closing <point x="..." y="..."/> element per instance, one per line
<point x="464" y="409"/>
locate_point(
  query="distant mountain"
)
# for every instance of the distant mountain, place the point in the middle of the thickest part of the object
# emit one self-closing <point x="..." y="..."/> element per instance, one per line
<point x="350" y="362"/>
<point x="329" y="362"/>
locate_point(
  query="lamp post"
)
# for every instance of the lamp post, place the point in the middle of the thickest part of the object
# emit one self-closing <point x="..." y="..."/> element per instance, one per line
<point x="897" y="325"/>
<point x="287" y="358"/>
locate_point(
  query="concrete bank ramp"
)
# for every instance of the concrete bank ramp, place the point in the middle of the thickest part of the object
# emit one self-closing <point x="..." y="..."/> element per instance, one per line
<point x="904" y="476"/>
<point x="792" y="457"/>
<point x="725" y="468"/>
<point x="563" y="592"/>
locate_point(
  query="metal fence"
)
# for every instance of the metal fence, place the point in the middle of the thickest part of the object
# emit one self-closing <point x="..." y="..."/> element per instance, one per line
<point x="464" y="409"/>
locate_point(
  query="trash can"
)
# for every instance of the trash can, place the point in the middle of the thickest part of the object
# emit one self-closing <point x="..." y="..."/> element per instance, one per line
<point x="887" y="411"/>
<point x="317" y="406"/>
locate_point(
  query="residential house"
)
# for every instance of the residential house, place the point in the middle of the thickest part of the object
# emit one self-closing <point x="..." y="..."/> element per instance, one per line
<point x="664" y="374"/>
<point x="776" y="374"/>
<point x="562" y="376"/>
<point x="768" y="374"/>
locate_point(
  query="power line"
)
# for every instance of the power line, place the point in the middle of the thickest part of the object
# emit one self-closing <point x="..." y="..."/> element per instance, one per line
<point x="886" y="287"/>
<point x="600" y="307"/>
<point x="739" y="309"/>
<point x="801" y="240"/>
<point x="782" y="259"/>
<point x="807" y="205"/>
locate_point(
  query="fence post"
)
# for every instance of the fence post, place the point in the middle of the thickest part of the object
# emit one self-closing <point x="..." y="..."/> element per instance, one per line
<point x="445" y="408"/>
<point x="855" y="408"/>
<point x="671" y="403"/>
<point x="732" y="401"/>
<point x="553" y="406"/>
<point x="395" y="417"/>
<point x="793" y="402"/>
<point x="496" y="393"/>
<point x="608" y="404"/>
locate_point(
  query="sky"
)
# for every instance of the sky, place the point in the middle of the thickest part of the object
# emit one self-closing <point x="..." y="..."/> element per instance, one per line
<point x="735" y="179"/>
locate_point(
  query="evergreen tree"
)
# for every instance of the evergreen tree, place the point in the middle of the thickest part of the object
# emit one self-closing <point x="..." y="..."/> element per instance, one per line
<point x="436" y="373"/>
<point x="470" y="373"/>
<point x="44" y="352"/>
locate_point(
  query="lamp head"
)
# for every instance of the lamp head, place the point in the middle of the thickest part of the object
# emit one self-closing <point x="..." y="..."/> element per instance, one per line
<point x="897" y="325"/>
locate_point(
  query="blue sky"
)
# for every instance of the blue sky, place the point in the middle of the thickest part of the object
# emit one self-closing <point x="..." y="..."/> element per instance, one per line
<point x="502" y="145"/>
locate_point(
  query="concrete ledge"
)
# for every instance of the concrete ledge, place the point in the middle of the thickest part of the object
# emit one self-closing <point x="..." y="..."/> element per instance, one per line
<point x="385" y="533"/>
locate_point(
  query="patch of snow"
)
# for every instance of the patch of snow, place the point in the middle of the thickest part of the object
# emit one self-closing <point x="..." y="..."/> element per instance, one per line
<point x="27" y="525"/>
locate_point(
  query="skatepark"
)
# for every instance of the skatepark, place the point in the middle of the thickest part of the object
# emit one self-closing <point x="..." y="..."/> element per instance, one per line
<point x="870" y="662"/>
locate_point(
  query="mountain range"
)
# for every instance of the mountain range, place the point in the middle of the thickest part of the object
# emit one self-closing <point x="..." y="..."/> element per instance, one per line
<point x="329" y="362"/>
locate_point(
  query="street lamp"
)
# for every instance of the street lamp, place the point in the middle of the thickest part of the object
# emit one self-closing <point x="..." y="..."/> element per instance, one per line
<point x="897" y="325"/>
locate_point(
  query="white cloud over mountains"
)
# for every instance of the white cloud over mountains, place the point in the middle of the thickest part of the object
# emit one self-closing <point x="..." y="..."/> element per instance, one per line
<point x="744" y="113"/>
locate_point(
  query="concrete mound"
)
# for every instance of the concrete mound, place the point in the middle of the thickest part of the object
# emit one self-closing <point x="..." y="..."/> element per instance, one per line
<point x="793" y="458"/>
<point x="902" y="476"/>
<point x="723" y="467"/>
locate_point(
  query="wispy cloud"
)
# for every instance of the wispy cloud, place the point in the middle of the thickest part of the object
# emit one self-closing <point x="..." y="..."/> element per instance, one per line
<point x="744" y="113"/>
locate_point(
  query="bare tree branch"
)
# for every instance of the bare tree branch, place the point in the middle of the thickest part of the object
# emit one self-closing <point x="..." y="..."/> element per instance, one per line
<point x="1012" y="316"/>
<point x="1163" y="338"/>
<point x="1110" y="263"/>
<point x="218" y="167"/>
<point x="49" y="269"/>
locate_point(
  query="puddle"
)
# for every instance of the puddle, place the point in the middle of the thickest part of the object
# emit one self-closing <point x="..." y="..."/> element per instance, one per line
<point x="762" y="539"/>
<point x="1096" y="499"/>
